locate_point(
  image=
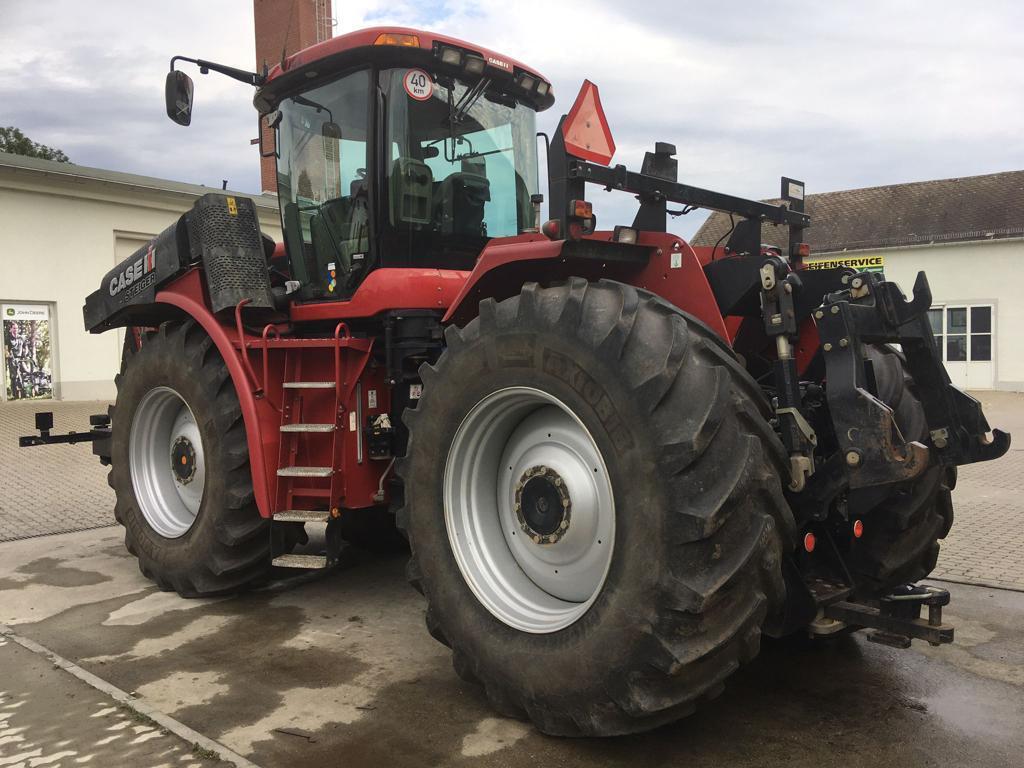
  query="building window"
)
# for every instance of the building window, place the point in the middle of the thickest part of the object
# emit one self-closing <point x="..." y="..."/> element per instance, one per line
<point x="981" y="333"/>
<point x="956" y="334"/>
<point x="963" y="333"/>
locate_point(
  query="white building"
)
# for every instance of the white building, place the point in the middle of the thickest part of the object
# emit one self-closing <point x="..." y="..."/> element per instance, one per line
<point x="967" y="234"/>
<point x="62" y="227"/>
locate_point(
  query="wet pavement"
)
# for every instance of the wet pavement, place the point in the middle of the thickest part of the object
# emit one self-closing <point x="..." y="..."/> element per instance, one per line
<point x="340" y="670"/>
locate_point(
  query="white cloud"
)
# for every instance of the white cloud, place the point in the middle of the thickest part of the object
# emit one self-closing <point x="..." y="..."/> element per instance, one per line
<point x="840" y="94"/>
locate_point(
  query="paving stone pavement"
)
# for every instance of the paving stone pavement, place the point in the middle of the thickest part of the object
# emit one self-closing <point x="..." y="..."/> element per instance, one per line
<point x="986" y="544"/>
<point x="53" y="488"/>
<point x="63" y="488"/>
<point x="48" y="718"/>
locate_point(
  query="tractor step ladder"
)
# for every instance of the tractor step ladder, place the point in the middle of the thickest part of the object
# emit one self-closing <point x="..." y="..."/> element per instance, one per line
<point x="294" y="405"/>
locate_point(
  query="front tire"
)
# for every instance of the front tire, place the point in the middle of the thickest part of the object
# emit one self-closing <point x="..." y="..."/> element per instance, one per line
<point x="180" y="468"/>
<point x="661" y="444"/>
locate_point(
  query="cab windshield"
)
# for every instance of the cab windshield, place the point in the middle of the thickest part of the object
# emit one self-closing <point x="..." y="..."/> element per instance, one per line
<point x="462" y="168"/>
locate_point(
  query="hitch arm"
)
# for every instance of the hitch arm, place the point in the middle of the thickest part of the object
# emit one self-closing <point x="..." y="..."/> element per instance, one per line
<point x="100" y="424"/>
<point x="897" y="619"/>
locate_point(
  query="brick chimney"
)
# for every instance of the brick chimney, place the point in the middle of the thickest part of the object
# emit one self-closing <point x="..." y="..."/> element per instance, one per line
<point x="288" y="25"/>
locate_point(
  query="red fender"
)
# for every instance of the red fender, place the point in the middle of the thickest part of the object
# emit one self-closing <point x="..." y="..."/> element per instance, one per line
<point x="186" y="293"/>
<point x="673" y="272"/>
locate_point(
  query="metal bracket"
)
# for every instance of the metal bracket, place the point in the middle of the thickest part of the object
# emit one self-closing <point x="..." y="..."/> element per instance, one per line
<point x="100" y="424"/>
<point x="874" y="311"/>
<point x="897" y="619"/>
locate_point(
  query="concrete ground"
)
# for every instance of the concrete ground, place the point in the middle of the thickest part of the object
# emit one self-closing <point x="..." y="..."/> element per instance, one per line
<point x="39" y="701"/>
<point x="340" y="669"/>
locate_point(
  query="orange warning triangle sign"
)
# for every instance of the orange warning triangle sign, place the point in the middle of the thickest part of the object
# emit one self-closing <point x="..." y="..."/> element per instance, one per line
<point x="586" y="130"/>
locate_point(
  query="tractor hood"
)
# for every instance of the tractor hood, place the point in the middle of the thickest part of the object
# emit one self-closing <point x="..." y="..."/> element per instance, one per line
<point x="219" y="232"/>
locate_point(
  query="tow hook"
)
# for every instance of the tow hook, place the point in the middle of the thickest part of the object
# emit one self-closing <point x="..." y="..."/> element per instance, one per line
<point x="897" y="619"/>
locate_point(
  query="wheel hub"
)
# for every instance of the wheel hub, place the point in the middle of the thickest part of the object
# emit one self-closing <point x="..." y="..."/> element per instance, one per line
<point x="543" y="506"/>
<point x="529" y="509"/>
<point x="167" y="462"/>
<point x="183" y="460"/>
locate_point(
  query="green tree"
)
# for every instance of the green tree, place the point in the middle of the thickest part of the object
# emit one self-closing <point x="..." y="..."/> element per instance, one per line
<point x="14" y="141"/>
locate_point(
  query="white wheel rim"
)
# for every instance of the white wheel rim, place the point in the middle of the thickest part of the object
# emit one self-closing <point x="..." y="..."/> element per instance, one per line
<point x="516" y="455"/>
<point x="168" y="469"/>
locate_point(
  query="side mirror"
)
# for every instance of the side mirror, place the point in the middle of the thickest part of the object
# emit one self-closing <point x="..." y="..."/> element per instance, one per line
<point x="178" y="95"/>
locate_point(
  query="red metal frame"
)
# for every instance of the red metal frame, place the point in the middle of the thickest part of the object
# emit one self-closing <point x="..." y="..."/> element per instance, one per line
<point x="264" y="406"/>
<point x="389" y="288"/>
<point x="674" y="272"/>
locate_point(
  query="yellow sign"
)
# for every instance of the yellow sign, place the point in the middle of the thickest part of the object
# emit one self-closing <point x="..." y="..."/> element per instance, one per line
<point x="232" y="206"/>
<point x="859" y="263"/>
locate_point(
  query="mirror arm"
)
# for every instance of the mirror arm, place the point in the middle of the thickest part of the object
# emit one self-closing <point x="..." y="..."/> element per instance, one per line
<point x="249" y="78"/>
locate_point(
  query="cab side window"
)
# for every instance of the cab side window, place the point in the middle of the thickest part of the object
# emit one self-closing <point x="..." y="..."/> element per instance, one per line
<point x="323" y="186"/>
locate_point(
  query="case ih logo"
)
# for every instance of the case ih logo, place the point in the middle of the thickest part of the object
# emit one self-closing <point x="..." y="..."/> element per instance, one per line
<point x="499" y="63"/>
<point x="133" y="272"/>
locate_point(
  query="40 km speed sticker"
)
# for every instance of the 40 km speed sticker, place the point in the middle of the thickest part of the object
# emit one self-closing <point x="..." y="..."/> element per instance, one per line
<point x="418" y="84"/>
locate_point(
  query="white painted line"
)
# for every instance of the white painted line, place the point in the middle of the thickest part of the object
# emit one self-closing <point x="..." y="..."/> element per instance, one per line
<point x="165" y="721"/>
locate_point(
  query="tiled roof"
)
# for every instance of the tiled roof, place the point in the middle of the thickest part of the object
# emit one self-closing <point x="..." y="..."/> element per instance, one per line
<point x="944" y="211"/>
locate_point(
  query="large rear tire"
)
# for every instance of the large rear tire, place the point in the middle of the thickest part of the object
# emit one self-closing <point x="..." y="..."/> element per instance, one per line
<point x="594" y="508"/>
<point x="901" y="536"/>
<point x="180" y="467"/>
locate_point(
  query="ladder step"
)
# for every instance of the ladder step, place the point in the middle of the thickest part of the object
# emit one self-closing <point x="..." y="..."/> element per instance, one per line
<point x="307" y="427"/>
<point x="300" y="561"/>
<point x="309" y="385"/>
<point x="302" y="516"/>
<point x="305" y="472"/>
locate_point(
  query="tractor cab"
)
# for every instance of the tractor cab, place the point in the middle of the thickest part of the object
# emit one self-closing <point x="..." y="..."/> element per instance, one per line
<point x="396" y="149"/>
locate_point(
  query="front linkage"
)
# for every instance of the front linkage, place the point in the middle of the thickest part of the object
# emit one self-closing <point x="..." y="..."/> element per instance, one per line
<point x="872" y="454"/>
<point x="872" y="310"/>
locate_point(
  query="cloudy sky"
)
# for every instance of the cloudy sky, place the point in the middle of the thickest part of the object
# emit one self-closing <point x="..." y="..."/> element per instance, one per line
<point x="840" y="94"/>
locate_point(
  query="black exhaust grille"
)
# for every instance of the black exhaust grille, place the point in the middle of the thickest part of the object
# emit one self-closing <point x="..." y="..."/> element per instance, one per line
<point x="225" y="233"/>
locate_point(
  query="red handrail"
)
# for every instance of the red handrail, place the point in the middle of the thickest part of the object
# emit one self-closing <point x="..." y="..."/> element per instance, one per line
<point x="256" y="388"/>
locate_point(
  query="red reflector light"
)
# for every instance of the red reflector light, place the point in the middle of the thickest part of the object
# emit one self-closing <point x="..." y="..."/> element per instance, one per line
<point x="581" y="209"/>
<point x="803" y="250"/>
<point x="552" y="229"/>
<point x="858" y="529"/>
<point x="809" y="541"/>
<point x="586" y="130"/>
<point x="396" y="38"/>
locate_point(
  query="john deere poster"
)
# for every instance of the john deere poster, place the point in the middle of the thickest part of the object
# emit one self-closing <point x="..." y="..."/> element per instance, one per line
<point x="860" y="263"/>
<point x="26" y="347"/>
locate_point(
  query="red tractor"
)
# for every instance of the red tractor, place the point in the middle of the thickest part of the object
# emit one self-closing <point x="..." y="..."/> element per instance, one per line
<point x="618" y="460"/>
